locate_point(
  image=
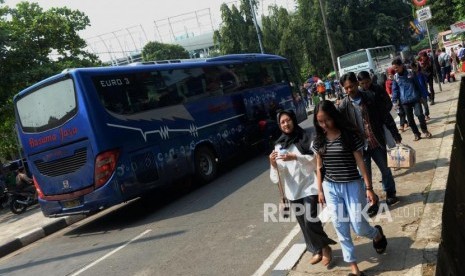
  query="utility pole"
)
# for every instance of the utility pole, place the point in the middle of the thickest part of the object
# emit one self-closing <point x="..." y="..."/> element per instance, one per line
<point x="252" y="9"/>
<point x="328" y="37"/>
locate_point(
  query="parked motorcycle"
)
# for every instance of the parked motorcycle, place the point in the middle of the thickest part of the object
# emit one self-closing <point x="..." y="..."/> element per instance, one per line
<point x="4" y="198"/>
<point x="20" y="200"/>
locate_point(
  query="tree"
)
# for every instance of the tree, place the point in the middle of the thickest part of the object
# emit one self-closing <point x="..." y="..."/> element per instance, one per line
<point x="161" y="51"/>
<point x="35" y="44"/>
<point x="443" y="13"/>
<point x="237" y="33"/>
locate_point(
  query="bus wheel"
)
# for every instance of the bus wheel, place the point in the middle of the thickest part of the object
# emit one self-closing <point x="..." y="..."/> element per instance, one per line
<point x="206" y="165"/>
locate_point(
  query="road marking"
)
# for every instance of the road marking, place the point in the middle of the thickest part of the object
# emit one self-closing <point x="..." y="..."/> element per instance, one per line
<point x="110" y="253"/>
<point x="275" y="254"/>
<point x="291" y="257"/>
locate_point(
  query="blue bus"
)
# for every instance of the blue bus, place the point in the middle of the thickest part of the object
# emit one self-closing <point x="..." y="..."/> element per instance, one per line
<point x="96" y="137"/>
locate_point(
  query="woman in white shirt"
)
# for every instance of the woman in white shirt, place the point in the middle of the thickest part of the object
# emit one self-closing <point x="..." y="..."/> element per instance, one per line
<point x="296" y="163"/>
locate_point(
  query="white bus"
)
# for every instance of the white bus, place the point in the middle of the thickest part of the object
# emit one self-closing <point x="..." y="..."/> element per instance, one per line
<point x="377" y="58"/>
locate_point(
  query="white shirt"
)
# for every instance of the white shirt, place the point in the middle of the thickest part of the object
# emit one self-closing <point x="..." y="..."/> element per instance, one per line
<point x="297" y="176"/>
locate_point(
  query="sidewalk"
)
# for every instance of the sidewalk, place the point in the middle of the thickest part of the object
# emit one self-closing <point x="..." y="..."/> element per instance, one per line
<point x="412" y="226"/>
<point x="21" y="230"/>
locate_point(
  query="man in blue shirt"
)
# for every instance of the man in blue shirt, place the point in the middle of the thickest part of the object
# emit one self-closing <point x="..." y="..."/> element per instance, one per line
<point x="405" y="88"/>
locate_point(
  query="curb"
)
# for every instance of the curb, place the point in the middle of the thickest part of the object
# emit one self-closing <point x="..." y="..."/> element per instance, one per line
<point x="37" y="234"/>
<point x="429" y="230"/>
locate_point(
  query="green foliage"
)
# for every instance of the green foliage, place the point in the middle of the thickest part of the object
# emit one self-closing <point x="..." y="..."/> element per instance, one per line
<point x="300" y="36"/>
<point x="423" y="44"/>
<point x="237" y="34"/>
<point x="35" y="44"/>
<point x="446" y="12"/>
<point x="160" y="51"/>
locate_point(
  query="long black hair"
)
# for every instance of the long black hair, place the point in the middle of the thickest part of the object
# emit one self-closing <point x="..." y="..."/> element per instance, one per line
<point x="298" y="137"/>
<point x="348" y="130"/>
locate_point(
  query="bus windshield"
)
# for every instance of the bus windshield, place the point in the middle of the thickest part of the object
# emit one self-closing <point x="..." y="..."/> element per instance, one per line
<point x="47" y="107"/>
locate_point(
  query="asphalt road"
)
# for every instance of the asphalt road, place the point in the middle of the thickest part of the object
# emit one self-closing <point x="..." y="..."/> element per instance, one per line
<point x="217" y="229"/>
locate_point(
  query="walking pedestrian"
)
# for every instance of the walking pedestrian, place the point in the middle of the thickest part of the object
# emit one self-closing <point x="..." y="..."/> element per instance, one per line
<point x="422" y="81"/>
<point x="321" y="90"/>
<point x="297" y="174"/>
<point x="369" y="110"/>
<point x="427" y="69"/>
<point x="400" y="111"/>
<point x="454" y="60"/>
<point x="405" y="88"/>
<point x="444" y="62"/>
<point x="339" y="145"/>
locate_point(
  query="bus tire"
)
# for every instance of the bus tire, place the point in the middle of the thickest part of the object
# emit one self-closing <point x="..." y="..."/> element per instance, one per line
<point x="206" y="165"/>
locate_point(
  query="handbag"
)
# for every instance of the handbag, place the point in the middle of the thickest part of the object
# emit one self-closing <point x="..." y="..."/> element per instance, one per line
<point x="284" y="204"/>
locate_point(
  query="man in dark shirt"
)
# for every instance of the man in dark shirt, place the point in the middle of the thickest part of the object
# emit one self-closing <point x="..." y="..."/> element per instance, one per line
<point x="369" y="112"/>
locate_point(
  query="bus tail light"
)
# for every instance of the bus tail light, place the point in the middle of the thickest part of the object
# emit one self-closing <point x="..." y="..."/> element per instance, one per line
<point x="262" y="125"/>
<point x="40" y="194"/>
<point x="105" y="165"/>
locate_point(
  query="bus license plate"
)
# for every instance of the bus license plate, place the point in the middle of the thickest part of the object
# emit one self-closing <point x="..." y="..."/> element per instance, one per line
<point x="71" y="203"/>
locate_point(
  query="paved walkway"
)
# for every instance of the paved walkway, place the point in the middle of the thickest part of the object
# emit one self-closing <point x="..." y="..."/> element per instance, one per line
<point x="413" y="226"/>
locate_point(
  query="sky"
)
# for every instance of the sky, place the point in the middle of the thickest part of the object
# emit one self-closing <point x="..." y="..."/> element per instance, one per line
<point x="112" y="15"/>
<point x="132" y="22"/>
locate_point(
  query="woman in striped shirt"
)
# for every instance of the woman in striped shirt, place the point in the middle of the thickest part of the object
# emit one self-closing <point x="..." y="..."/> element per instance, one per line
<point x="339" y="146"/>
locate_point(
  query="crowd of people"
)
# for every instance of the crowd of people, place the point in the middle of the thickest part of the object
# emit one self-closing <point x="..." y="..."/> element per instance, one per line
<point x="318" y="90"/>
<point x="335" y="168"/>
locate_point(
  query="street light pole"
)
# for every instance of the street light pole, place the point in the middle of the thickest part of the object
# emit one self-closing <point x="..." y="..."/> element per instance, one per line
<point x="252" y="9"/>
<point x="328" y="37"/>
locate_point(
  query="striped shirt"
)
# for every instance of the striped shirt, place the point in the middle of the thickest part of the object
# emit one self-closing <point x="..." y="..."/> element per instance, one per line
<point x="339" y="163"/>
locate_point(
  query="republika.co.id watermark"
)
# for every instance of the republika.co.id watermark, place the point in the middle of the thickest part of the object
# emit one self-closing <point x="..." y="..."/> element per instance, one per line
<point x="273" y="212"/>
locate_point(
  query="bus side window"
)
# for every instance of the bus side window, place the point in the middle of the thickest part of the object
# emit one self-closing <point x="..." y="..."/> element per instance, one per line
<point x="115" y="100"/>
<point x="195" y="86"/>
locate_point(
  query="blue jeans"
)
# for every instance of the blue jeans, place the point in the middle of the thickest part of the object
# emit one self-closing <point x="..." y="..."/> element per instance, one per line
<point x="379" y="155"/>
<point x="424" y="103"/>
<point x="345" y="202"/>
<point x="415" y="108"/>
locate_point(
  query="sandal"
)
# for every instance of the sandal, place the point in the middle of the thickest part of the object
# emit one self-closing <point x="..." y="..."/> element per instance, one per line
<point x="380" y="246"/>
<point x="373" y="209"/>
<point x="428" y="135"/>
<point x="327" y="255"/>
<point x="316" y="258"/>
<point x="417" y="137"/>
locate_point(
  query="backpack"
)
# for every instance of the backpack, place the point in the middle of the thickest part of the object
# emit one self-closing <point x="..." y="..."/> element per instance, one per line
<point x="442" y="62"/>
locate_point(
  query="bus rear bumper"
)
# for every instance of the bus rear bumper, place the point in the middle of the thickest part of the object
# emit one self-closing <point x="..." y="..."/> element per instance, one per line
<point x="90" y="203"/>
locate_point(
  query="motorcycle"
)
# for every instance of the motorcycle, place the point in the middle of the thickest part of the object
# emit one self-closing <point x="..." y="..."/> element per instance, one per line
<point x="4" y="198"/>
<point x="20" y="200"/>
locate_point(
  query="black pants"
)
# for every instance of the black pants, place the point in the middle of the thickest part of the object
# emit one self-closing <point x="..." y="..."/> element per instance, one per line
<point x="415" y="108"/>
<point x="314" y="235"/>
<point x="431" y="88"/>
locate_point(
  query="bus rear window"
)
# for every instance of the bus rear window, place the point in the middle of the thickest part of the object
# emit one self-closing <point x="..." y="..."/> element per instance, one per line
<point x="47" y="107"/>
<point x="353" y="59"/>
